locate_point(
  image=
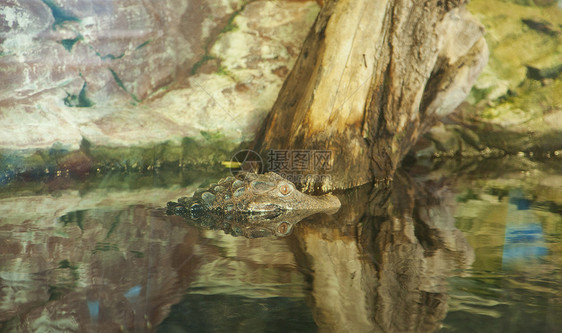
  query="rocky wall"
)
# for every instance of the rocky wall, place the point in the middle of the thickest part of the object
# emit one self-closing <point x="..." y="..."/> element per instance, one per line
<point x="515" y="107"/>
<point x="139" y="74"/>
<point x="135" y="85"/>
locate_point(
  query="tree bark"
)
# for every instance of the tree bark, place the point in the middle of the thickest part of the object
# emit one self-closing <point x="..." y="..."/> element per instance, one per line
<point x="371" y="77"/>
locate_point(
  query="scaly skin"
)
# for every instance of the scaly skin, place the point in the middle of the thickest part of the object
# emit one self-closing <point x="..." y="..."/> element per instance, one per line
<point x="253" y="193"/>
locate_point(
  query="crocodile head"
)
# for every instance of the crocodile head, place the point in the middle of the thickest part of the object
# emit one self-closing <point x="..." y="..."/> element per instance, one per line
<point x="253" y="193"/>
<point x="271" y="192"/>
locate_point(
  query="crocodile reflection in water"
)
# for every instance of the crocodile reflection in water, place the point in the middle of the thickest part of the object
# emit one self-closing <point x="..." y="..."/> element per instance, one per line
<point x="279" y="224"/>
<point x="252" y="205"/>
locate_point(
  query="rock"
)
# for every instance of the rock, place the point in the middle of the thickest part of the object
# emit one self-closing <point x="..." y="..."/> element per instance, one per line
<point x="541" y="26"/>
<point x="514" y="105"/>
<point x="544" y="73"/>
<point x="135" y="74"/>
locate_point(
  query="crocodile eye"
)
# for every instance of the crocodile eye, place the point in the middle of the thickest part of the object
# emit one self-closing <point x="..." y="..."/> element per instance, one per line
<point x="284" y="228"/>
<point x="285" y="189"/>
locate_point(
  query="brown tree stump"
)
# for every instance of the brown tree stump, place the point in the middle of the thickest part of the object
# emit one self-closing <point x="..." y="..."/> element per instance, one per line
<point x="371" y="77"/>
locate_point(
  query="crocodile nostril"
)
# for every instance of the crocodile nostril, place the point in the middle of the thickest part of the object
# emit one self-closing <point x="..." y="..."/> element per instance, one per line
<point x="196" y="210"/>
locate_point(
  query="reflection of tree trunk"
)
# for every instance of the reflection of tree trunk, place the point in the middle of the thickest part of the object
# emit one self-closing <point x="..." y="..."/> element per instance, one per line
<point x="371" y="77"/>
<point x="382" y="264"/>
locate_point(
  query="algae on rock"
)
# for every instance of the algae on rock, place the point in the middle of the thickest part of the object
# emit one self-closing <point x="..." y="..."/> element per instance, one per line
<point x="515" y="105"/>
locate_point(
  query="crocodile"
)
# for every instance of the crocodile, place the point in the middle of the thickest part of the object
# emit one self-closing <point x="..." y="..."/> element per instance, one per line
<point x="250" y="193"/>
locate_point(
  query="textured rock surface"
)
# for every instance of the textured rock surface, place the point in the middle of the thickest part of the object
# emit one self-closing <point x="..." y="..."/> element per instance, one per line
<point x="515" y="105"/>
<point x="130" y="73"/>
<point x="140" y="74"/>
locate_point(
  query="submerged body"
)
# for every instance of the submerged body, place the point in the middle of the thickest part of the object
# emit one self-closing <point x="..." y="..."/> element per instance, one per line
<point x="253" y="193"/>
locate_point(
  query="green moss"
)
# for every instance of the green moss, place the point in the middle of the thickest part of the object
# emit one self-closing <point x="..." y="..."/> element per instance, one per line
<point x="215" y="149"/>
<point x="526" y="106"/>
<point x="507" y="35"/>
<point x="478" y="94"/>
<point x="223" y="71"/>
<point x="113" y="226"/>
<point x="498" y="192"/>
<point x="69" y="43"/>
<point x="66" y="264"/>
<point x="230" y="26"/>
<point x="108" y="167"/>
<point x="15" y="162"/>
<point x="469" y="195"/>
<point x="80" y="101"/>
<point x="522" y="80"/>
<point x="110" y="56"/>
<point x="105" y="247"/>
<point x="60" y="15"/>
<point x="206" y="57"/>
<point x="211" y="136"/>
<point x="37" y="160"/>
<point x="120" y="158"/>
<point x="544" y="73"/>
<point x="540" y="3"/>
<point x="137" y="254"/>
<point x="143" y="45"/>
<point x="74" y="217"/>
<point x="57" y="292"/>
<point x="118" y="179"/>
<point x="117" y="79"/>
<point x="122" y="85"/>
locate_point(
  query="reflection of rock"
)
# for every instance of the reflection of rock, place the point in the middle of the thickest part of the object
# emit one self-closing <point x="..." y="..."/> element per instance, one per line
<point x="252" y="268"/>
<point x="512" y="218"/>
<point x="381" y="264"/>
<point x="110" y="267"/>
<point x="493" y="210"/>
<point x="94" y="271"/>
<point x="72" y="250"/>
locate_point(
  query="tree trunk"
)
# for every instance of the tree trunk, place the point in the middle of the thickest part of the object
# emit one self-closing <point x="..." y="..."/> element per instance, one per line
<point x="371" y="77"/>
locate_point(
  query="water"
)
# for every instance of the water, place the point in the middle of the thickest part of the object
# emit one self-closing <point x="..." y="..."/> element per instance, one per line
<point x="456" y="248"/>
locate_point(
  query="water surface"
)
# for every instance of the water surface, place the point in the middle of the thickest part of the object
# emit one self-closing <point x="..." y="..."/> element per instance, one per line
<point x="456" y="248"/>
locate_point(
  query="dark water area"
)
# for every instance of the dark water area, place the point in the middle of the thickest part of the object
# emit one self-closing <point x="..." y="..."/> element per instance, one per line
<point x="451" y="247"/>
